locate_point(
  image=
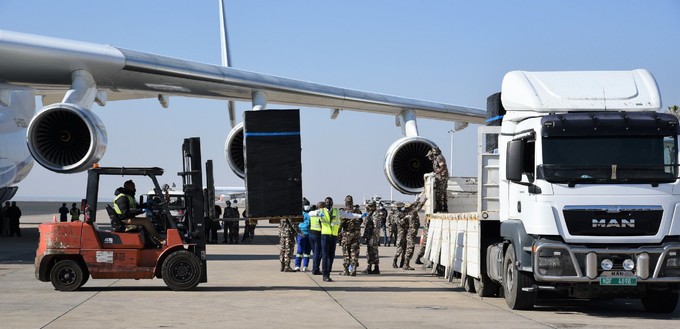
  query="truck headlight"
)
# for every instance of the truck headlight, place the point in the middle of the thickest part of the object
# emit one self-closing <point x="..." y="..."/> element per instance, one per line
<point x="555" y="262"/>
<point x="606" y="264"/>
<point x="549" y="266"/>
<point x="673" y="262"/>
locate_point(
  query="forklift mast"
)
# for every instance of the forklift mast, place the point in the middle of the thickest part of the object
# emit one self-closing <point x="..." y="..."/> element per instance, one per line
<point x="192" y="182"/>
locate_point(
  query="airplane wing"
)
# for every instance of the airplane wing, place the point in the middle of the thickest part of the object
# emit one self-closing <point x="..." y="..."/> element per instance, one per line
<point x="45" y="64"/>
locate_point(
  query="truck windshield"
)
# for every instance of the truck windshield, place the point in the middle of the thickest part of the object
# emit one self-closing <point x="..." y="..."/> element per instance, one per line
<point x="609" y="159"/>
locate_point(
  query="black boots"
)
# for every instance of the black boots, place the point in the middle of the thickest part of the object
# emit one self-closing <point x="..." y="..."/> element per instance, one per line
<point x="418" y="261"/>
<point x="367" y="270"/>
<point x="395" y="263"/>
<point x="376" y="269"/>
<point x="407" y="266"/>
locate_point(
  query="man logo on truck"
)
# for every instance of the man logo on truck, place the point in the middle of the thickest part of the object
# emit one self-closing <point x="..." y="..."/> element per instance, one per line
<point x="614" y="223"/>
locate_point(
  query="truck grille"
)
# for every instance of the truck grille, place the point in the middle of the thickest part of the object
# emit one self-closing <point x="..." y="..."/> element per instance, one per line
<point x="613" y="220"/>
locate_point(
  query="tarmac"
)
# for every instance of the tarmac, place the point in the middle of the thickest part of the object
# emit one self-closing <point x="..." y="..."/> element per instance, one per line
<point x="245" y="289"/>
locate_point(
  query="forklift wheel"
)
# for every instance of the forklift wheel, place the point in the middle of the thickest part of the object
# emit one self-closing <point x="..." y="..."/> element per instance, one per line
<point x="67" y="275"/>
<point x="182" y="270"/>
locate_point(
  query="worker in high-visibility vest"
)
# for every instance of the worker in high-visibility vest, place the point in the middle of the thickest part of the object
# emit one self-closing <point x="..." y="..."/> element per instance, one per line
<point x="126" y="208"/>
<point x="330" y="226"/>
<point x="315" y="238"/>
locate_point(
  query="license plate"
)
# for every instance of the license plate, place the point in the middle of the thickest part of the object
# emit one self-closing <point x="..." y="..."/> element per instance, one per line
<point x="609" y="281"/>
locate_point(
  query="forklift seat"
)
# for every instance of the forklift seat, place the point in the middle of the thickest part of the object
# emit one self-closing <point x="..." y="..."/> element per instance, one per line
<point x="118" y="238"/>
<point x="116" y="223"/>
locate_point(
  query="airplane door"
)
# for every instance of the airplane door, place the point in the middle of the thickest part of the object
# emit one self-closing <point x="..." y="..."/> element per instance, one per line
<point x="273" y="166"/>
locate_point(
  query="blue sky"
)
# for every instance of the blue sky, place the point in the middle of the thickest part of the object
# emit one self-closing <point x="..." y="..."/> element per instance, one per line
<point x="447" y="51"/>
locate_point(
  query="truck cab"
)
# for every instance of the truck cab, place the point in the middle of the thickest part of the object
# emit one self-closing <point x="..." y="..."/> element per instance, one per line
<point x="578" y="194"/>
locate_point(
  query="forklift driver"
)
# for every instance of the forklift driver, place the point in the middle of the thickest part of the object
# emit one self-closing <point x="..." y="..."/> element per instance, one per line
<point x="127" y="208"/>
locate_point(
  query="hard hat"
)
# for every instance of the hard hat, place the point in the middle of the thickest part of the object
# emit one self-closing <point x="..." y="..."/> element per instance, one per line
<point x="400" y="204"/>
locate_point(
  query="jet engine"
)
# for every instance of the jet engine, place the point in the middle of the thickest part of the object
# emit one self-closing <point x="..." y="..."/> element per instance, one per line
<point x="66" y="138"/>
<point x="233" y="151"/>
<point x="406" y="162"/>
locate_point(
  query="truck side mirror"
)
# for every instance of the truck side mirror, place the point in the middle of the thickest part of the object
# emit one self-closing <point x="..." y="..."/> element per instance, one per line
<point x="514" y="163"/>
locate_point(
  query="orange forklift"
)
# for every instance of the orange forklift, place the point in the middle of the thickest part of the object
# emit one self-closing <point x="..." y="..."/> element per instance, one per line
<point x="70" y="252"/>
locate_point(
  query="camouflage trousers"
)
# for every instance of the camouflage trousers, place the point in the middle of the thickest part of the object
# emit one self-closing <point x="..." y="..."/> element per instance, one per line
<point x="372" y="257"/>
<point x="350" y="251"/>
<point x="421" y="253"/>
<point x="287" y="245"/>
<point x="440" y="201"/>
<point x="392" y="233"/>
<point x="411" y="237"/>
<point x="401" y="240"/>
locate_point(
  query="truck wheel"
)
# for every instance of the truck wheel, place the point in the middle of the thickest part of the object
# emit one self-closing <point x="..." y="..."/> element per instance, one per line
<point x="513" y="282"/>
<point x="485" y="287"/>
<point x="67" y="275"/>
<point x="660" y="301"/>
<point x="182" y="270"/>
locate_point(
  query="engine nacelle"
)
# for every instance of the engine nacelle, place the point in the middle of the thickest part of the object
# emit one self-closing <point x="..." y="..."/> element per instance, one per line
<point x="406" y="162"/>
<point x="233" y="151"/>
<point x="66" y="138"/>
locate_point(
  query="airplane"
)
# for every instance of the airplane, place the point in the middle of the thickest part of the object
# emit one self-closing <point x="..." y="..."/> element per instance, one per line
<point x="66" y="136"/>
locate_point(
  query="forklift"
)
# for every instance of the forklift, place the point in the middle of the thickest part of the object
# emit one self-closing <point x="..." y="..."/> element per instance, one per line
<point x="70" y="252"/>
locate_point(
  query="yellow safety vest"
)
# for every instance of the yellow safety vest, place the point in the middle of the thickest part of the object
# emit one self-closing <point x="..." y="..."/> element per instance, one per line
<point x="314" y="223"/>
<point x="330" y="222"/>
<point x="131" y="201"/>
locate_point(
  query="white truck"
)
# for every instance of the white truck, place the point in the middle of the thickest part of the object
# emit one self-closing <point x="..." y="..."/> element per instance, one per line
<point x="580" y="196"/>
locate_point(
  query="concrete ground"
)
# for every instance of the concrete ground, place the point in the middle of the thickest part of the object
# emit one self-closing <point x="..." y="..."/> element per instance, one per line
<point x="246" y="290"/>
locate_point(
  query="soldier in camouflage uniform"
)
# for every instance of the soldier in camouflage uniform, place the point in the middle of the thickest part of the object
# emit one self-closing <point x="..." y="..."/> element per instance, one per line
<point x="287" y="233"/>
<point x="402" y="227"/>
<point x="351" y="230"/>
<point x="392" y="227"/>
<point x="373" y="240"/>
<point x="412" y="234"/>
<point x="441" y="179"/>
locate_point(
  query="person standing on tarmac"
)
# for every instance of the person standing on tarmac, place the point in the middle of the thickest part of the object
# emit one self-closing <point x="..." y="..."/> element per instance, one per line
<point x="369" y="230"/>
<point x="351" y="230"/>
<point x="213" y="225"/>
<point x="14" y="214"/>
<point x="230" y="226"/>
<point x="401" y="224"/>
<point x="373" y="240"/>
<point x="392" y="226"/>
<point x="303" y="246"/>
<point x="421" y="253"/>
<point x="330" y="225"/>
<point x="63" y="213"/>
<point x="127" y="208"/>
<point x="383" y="224"/>
<point x="412" y="234"/>
<point x="287" y="233"/>
<point x="74" y="212"/>
<point x="315" y="237"/>
<point x="3" y="225"/>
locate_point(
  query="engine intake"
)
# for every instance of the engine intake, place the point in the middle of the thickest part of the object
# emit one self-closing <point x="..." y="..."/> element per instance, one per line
<point x="406" y="162"/>
<point x="66" y="138"/>
<point x="233" y="151"/>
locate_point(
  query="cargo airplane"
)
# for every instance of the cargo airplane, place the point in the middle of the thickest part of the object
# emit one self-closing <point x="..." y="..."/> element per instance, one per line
<point x="65" y="136"/>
